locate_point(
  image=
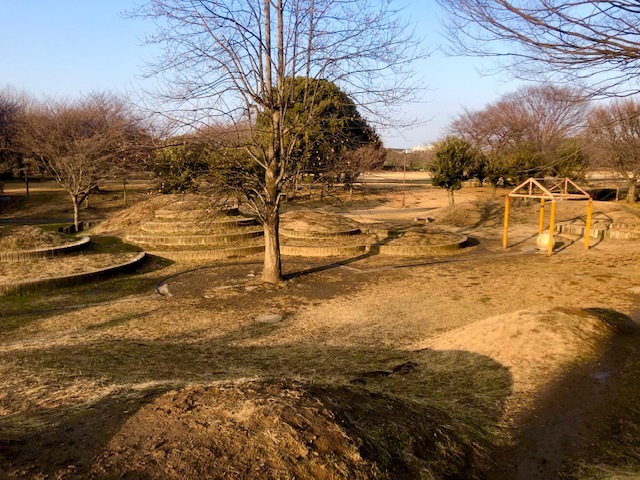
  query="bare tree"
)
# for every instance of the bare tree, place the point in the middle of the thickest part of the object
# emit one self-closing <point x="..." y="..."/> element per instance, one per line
<point x="80" y="143"/>
<point x="228" y="61"/>
<point x="592" y="41"/>
<point x="614" y="133"/>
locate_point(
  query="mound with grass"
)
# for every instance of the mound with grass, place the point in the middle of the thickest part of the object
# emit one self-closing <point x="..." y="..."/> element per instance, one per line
<point x="421" y="235"/>
<point x="536" y="345"/>
<point x="312" y="221"/>
<point x="282" y="431"/>
<point x="30" y="238"/>
<point x="484" y="213"/>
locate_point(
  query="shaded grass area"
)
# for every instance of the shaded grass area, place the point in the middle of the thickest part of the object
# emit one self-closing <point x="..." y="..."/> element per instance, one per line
<point x="407" y="423"/>
<point x="21" y="309"/>
<point x="617" y="452"/>
<point x="74" y="381"/>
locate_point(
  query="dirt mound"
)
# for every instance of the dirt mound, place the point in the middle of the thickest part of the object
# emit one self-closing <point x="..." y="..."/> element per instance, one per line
<point x="278" y="431"/>
<point x="29" y="238"/>
<point x="316" y="221"/>
<point x="469" y="214"/>
<point x="419" y="235"/>
<point x="536" y="345"/>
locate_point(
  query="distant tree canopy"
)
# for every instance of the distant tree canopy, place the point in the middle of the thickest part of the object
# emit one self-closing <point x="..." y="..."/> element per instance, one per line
<point x="12" y="107"/>
<point x="83" y="142"/>
<point x="534" y="131"/>
<point x="614" y="138"/>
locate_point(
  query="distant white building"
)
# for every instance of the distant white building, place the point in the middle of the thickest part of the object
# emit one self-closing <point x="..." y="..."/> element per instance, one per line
<point x="423" y="148"/>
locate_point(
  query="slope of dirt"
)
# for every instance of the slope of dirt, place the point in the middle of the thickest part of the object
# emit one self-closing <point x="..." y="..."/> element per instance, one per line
<point x="536" y="345"/>
<point x="130" y="219"/>
<point x="491" y="214"/>
<point x="567" y="365"/>
<point x="283" y="431"/>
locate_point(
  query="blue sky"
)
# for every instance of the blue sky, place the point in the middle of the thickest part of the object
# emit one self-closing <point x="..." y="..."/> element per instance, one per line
<point x="64" y="48"/>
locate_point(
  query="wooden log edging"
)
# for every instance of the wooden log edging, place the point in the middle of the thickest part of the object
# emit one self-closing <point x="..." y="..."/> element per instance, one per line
<point x="623" y="234"/>
<point x="40" y="253"/>
<point x="194" y="240"/>
<point x="338" y="251"/>
<point x="310" y="235"/>
<point x="216" y="254"/>
<point x="177" y="227"/>
<point x="417" y="250"/>
<point x="594" y="232"/>
<point x="44" y="284"/>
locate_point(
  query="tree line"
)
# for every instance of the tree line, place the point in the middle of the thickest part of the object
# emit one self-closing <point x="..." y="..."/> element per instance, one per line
<point x="83" y="142"/>
<point x="540" y="131"/>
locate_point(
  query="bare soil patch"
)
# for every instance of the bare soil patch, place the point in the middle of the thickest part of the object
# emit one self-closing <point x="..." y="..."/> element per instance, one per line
<point x="316" y="221"/>
<point x="418" y="235"/>
<point x="282" y="431"/>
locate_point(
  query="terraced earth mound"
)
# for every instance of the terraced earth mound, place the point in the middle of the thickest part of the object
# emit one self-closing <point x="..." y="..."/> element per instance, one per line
<point x="315" y="233"/>
<point x="195" y="229"/>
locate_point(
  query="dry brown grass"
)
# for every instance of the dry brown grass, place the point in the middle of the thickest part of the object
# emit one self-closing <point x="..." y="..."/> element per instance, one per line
<point x="26" y="237"/>
<point x="475" y="334"/>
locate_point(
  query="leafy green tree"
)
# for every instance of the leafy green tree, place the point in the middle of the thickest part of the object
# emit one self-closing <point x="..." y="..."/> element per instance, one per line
<point x="179" y="168"/>
<point x="453" y="158"/>
<point x="333" y="127"/>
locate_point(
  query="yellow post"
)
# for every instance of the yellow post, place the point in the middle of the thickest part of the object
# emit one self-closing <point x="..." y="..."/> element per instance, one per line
<point x="505" y="233"/>
<point x="552" y="226"/>
<point x="541" y="223"/>
<point x="587" y="230"/>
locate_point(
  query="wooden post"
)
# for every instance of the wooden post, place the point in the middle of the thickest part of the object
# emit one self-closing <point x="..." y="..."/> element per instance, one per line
<point x="404" y="177"/>
<point x="505" y="233"/>
<point x="552" y="226"/>
<point x="587" y="228"/>
<point x="541" y="222"/>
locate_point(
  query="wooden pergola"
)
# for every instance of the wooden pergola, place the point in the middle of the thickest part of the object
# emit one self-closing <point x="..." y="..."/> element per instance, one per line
<point x="554" y="190"/>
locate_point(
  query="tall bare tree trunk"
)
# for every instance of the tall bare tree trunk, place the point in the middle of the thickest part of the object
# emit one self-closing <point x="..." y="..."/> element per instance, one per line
<point x="272" y="267"/>
<point x="76" y="211"/>
<point x="631" y="193"/>
<point x="450" y="194"/>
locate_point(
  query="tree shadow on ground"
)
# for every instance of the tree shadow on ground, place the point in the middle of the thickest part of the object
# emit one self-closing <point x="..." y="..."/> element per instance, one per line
<point x="450" y="398"/>
<point x="584" y="416"/>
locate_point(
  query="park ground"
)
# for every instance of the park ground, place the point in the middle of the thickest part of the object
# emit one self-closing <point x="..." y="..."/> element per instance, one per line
<point x="482" y="363"/>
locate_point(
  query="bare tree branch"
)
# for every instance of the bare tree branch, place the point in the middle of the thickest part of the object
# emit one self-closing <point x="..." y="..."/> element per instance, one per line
<point x="594" y="42"/>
